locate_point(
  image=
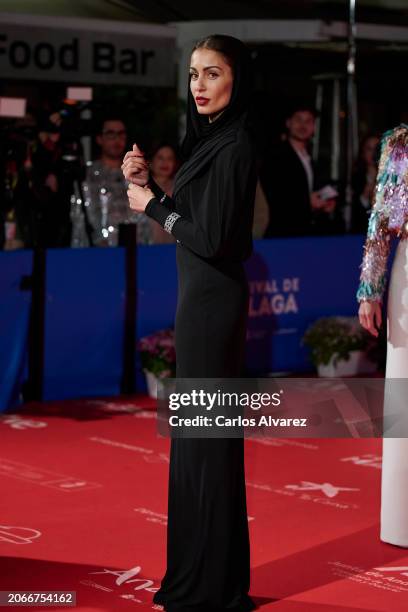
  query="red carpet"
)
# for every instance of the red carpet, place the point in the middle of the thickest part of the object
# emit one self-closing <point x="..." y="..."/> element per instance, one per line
<point x="84" y="500"/>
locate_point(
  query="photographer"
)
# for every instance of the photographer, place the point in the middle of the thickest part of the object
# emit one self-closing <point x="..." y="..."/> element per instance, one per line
<point x="37" y="187"/>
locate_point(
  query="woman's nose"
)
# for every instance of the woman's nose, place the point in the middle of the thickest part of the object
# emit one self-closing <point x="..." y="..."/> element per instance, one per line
<point x="200" y="85"/>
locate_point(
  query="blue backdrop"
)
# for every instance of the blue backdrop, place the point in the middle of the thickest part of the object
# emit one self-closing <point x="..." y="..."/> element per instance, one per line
<point x="14" y="321"/>
<point x="84" y="322"/>
<point x="292" y="282"/>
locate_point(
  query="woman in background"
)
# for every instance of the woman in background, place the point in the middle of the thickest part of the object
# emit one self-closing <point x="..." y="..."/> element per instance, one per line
<point x="363" y="183"/>
<point x="163" y="167"/>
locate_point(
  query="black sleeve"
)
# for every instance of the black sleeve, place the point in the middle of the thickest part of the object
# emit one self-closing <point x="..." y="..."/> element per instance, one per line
<point x="159" y="193"/>
<point x="216" y="217"/>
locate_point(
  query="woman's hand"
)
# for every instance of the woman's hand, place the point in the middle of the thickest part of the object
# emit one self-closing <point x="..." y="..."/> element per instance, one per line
<point x="139" y="197"/>
<point x="369" y="315"/>
<point x="134" y="167"/>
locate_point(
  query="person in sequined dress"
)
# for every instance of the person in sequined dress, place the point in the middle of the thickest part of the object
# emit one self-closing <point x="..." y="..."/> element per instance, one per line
<point x="389" y="218"/>
<point x="105" y="193"/>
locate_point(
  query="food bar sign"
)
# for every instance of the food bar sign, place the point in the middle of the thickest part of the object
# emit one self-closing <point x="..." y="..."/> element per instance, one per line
<point x="84" y="56"/>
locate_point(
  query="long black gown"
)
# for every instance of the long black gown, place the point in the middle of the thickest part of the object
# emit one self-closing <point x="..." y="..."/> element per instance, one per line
<point x="208" y="555"/>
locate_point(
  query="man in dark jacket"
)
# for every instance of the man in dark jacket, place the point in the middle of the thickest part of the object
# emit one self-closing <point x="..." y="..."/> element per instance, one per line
<point x="289" y="180"/>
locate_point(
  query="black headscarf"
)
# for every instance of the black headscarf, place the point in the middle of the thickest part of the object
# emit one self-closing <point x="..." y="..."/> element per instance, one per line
<point x="204" y="139"/>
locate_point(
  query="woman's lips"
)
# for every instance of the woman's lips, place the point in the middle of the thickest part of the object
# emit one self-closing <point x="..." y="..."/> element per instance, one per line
<point x="202" y="101"/>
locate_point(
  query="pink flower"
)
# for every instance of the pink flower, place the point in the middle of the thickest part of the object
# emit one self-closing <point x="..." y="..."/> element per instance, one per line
<point x="159" y="344"/>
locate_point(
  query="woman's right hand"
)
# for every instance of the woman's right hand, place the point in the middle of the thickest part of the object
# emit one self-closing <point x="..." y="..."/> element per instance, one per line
<point x="134" y="167"/>
<point x="369" y="315"/>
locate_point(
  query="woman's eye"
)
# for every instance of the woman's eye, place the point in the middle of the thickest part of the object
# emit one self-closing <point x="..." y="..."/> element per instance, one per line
<point x="213" y="74"/>
<point x="193" y="75"/>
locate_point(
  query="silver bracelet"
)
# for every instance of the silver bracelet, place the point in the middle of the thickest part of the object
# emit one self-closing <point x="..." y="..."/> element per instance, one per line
<point x="170" y="221"/>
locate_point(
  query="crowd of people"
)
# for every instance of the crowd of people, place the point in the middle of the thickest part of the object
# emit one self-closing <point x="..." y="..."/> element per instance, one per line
<point x="104" y="191"/>
<point x="52" y="198"/>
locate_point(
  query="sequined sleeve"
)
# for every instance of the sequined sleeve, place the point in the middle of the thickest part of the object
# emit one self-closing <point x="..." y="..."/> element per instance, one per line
<point x="389" y="213"/>
<point x="374" y="265"/>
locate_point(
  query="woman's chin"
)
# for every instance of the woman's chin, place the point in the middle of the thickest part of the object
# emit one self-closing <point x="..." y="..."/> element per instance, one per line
<point x="202" y="110"/>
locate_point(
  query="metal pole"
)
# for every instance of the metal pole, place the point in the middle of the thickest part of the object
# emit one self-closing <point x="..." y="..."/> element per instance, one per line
<point x="351" y="111"/>
<point x="335" y="150"/>
<point x="318" y="105"/>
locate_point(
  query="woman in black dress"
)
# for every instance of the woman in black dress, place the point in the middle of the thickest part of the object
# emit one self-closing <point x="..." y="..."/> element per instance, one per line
<point x="210" y="215"/>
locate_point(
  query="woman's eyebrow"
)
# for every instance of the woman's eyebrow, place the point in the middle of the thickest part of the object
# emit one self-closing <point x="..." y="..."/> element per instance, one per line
<point x="206" y="68"/>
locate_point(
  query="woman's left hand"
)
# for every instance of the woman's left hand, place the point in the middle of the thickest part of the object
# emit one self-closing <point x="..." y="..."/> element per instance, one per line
<point x="139" y="197"/>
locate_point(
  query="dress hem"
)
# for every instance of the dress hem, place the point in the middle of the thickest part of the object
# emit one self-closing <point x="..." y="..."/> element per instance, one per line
<point x="246" y="605"/>
<point x="394" y="543"/>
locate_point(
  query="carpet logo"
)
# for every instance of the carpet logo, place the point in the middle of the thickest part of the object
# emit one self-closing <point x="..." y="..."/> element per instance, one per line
<point x="146" y="414"/>
<point x="161" y="519"/>
<point x="302" y="492"/>
<point x="44" y="478"/>
<point x="377" y="577"/>
<point x="403" y="570"/>
<point x="17" y="422"/>
<point x="135" y="409"/>
<point x="72" y="484"/>
<point x="283" y="442"/>
<point x="151" y="516"/>
<point x="18" y="535"/>
<point x="123" y="578"/>
<point x="367" y="460"/>
<point x="326" y="488"/>
<point x="149" y="455"/>
<point x="159" y="458"/>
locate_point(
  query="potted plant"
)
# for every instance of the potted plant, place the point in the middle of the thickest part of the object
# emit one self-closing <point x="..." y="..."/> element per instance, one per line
<point x="158" y="358"/>
<point x="339" y="346"/>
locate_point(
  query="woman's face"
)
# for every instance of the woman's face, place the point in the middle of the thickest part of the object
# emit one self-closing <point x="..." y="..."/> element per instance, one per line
<point x="164" y="162"/>
<point x="211" y="80"/>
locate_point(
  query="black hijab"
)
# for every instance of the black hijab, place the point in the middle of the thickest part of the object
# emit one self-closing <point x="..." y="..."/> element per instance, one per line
<point x="204" y="139"/>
